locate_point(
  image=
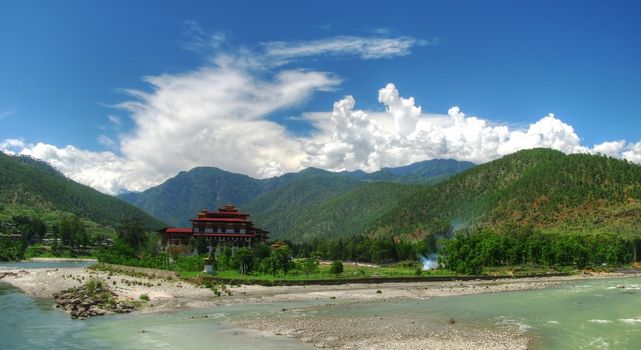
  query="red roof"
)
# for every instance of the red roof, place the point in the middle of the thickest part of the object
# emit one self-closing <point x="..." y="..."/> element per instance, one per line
<point x="178" y="230"/>
<point x="221" y="219"/>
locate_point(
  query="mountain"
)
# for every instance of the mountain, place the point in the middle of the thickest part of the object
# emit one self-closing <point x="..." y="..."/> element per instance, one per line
<point x="542" y="188"/>
<point x="338" y="214"/>
<point x="274" y="203"/>
<point x="179" y="199"/>
<point x="32" y="186"/>
<point x="280" y="209"/>
<point x="425" y="172"/>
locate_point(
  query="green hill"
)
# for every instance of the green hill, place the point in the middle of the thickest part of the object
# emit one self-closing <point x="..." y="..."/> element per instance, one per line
<point x="339" y="215"/>
<point x="425" y="172"/>
<point x="31" y="187"/>
<point x="279" y="210"/>
<point x="276" y="203"/>
<point x="179" y="199"/>
<point x="541" y="188"/>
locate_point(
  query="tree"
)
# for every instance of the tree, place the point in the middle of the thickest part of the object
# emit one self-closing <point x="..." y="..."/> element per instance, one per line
<point x="224" y="261"/>
<point x="132" y="233"/>
<point x="244" y="259"/>
<point x="282" y="258"/>
<point x="337" y="267"/>
<point x="201" y="245"/>
<point x="310" y="265"/>
<point x="72" y="232"/>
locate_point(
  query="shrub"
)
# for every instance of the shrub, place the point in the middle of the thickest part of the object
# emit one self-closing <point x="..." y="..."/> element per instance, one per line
<point x="337" y="267"/>
<point x="144" y="297"/>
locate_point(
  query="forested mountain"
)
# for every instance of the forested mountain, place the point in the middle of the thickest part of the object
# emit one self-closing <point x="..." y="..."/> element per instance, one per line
<point x="274" y="203"/>
<point x="281" y="209"/>
<point x="179" y="199"/>
<point x="339" y="215"/>
<point x="541" y="188"/>
<point x="425" y="172"/>
<point x="29" y="184"/>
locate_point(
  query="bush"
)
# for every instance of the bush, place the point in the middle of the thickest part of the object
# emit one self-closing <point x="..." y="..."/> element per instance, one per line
<point x="144" y="297"/>
<point x="194" y="263"/>
<point x="337" y="267"/>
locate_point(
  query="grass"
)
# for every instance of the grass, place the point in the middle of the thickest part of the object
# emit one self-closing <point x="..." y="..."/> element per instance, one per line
<point x="323" y="273"/>
<point x="405" y="270"/>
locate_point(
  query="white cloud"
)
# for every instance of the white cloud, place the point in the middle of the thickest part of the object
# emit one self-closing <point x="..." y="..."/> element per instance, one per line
<point x="11" y="146"/>
<point x="633" y="152"/>
<point x="7" y="113"/>
<point x="107" y="141"/>
<point x="113" y="119"/>
<point x="351" y="139"/>
<point x="217" y="115"/>
<point x="200" y="41"/>
<point x="214" y="116"/>
<point x="363" y="47"/>
<point x="612" y="148"/>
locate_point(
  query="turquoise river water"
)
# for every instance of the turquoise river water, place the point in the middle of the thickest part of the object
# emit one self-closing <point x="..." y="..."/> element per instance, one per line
<point x="589" y="314"/>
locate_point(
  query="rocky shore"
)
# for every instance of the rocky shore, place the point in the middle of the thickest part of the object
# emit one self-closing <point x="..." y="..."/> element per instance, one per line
<point x="92" y="299"/>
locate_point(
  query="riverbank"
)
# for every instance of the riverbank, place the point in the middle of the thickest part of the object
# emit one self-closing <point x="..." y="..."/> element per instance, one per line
<point x="62" y="259"/>
<point x="362" y="332"/>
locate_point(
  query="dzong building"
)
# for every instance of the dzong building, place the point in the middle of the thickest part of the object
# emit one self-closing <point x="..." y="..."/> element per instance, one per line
<point x="224" y="227"/>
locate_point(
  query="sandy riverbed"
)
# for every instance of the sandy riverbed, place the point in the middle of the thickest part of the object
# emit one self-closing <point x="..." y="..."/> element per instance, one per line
<point x="345" y="333"/>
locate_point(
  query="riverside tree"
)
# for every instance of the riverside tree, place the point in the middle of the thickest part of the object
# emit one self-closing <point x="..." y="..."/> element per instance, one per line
<point x="244" y="260"/>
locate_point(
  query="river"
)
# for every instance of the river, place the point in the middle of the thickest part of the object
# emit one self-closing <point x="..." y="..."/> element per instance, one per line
<point x="588" y="314"/>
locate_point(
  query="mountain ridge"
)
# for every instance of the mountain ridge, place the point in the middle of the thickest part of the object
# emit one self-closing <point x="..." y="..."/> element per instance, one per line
<point x="29" y="183"/>
<point x="227" y="187"/>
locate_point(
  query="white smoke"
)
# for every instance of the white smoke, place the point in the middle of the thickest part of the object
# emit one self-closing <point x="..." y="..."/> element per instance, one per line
<point x="429" y="262"/>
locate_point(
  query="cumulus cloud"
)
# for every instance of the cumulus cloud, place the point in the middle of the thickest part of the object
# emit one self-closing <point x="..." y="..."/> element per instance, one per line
<point x="356" y="140"/>
<point x="214" y="116"/>
<point x="218" y="115"/>
<point x="611" y="148"/>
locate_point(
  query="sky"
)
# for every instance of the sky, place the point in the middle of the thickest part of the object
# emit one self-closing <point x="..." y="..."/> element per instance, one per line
<point x="122" y="95"/>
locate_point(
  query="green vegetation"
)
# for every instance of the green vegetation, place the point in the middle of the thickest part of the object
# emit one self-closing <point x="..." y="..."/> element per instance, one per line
<point x="26" y="182"/>
<point x="337" y="267"/>
<point x="195" y="190"/>
<point x="279" y="203"/>
<point x="284" y="210"/>
<point x="43" y="213"/>
<point x="471" y="253"/>
<point x="24" y="237"/>
<point x="327" y="213"/>
<point x="425" y="172"/>
<point x="546" y="189"/>
<point x="365" y="249"/>
<point x="11" y="250"/>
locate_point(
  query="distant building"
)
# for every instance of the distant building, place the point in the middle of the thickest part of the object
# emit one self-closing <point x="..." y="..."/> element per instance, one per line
<point x="225" y="227"/>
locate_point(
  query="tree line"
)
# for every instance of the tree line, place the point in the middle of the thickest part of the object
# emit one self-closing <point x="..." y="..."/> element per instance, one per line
<point x="468" y="252"/>
<point x="364" y="249"/>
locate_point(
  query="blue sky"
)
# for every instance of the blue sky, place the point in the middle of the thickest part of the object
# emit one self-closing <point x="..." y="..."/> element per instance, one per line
<point x="67" y="72"/>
